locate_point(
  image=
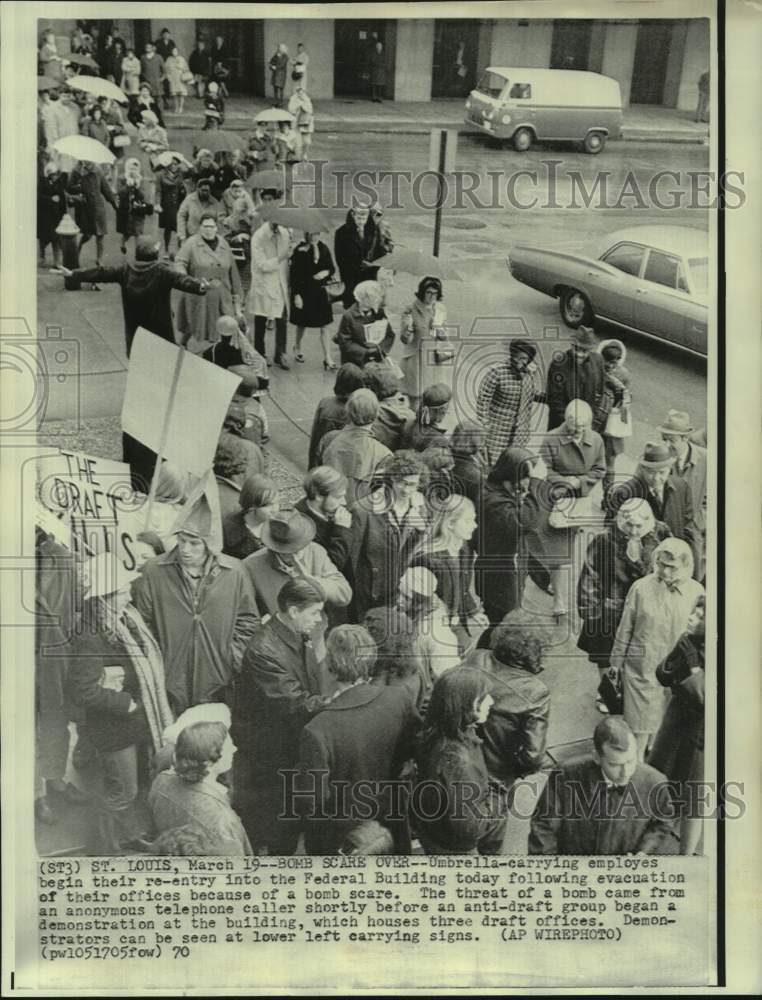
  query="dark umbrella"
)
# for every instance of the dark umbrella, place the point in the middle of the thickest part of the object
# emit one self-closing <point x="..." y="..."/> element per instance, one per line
<point x="219" y="141"/>
<point x="82" y="60"/>
<point x="418" y="263"/>
<point x="309" y="220"/>
<point x="269" y="179"/>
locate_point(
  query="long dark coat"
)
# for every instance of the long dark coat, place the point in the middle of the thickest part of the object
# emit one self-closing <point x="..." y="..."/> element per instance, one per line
<point x="278" y="67"/>
<point x="567" y="381"/>
<point x="351" y="249"/>
<point x="678" y="749"/>
<point x="640" y="821"/>
<point x="316" y="310"/>
<point x="89" y="191"/>
<point x="49" y="210"/>
<point x="201" y="636"/>
<point x="363" y="735"/>
<point x="353" y="345"/>
<point x="330" y="415"/>
<point x="377" y="61"/>
<point x="131" y="210"/>
<point x="146" y="294"/>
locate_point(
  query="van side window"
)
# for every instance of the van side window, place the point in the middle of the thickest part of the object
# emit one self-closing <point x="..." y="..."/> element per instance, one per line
<point x="521" y="90"/>
<point x="662" y="268"/>
<point x="626" y="257"/>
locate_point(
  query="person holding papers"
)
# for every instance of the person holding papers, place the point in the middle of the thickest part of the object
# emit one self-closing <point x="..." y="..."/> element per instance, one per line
<point x="365" y="333"/>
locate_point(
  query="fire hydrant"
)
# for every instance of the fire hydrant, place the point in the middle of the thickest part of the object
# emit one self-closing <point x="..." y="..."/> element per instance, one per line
<point x="68" y="233"/>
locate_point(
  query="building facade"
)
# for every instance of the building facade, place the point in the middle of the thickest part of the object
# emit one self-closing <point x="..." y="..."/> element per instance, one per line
<point x="656" y="62"/>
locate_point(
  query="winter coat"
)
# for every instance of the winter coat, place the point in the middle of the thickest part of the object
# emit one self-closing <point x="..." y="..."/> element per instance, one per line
<point x="174" y="802"/>
<point x="352" y="249"/>
<point x="146" y="294"/>
<point x="351" y="336"/>
<point x="278" y="66"/>
<point x="316" y="310"/>
<point x="132" y="209"/>
<point x="637" y="820"/>
<point x="269" y="276"/>
<point x="89" y="191"/>
<point x="504" y="407"/>
<point x="136" y="109"/>
<point x="51" y="206"/>
<point x="377" y="63"/>
<point x="451" y="764"/>
<point x="175" y="68"/>
<point x="200" y="62"/>
<point x="567" y="381"/>
<point x="694" y="473"/>
<point x="202" y="636"/>
<point x="190" y="211"/>
<point x="128" y="71"/>
<point x="354" y="452"/>
<point x="382" y="549"/>
<point x="606" y="577"/>
<point x="678" y="749"/>
<point x="515" y="733"/>
<point x="196" y="317"/>
<point x="418" y="359"/>
<point x="55" y="601"/>
<point x="151" y="72"/>
<point x="363" y="735"/>
<point x="171" y="194"/>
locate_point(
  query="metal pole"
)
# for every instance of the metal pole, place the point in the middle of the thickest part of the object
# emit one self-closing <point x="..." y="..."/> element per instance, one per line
<point x="440" y="191"/>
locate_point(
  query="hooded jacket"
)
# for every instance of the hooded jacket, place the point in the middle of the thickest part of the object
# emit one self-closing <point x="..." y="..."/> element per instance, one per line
<point x="146" y="294"/>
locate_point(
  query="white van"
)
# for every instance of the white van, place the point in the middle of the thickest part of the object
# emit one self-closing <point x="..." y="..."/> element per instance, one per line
<point x="557" y="105"/>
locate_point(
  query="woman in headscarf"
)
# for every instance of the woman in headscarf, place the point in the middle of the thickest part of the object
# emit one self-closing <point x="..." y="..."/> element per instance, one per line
<point x="656" y="613"/>
<point x="170" y="180"/>
<point x="208" y="255"/>
<point x="117" y="679"/>
<point x="615" y="559"/>
<point x="421" y="324"/>
<point x="365" y="333"/>
<point x="132" y="207"/>
<point x="450" y="754"/>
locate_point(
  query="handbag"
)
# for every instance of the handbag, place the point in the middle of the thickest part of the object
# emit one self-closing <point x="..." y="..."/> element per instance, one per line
<point x="297" y="74"/>
<point x="618" y="424"/>
<point x="610" y="691"/>
<point x="187" y="78"/>
<point x="120" y="141"/>
<point x="570" y="512"/>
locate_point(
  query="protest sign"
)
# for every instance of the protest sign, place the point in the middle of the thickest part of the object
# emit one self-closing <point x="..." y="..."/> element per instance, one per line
<point x="173" y="394"/>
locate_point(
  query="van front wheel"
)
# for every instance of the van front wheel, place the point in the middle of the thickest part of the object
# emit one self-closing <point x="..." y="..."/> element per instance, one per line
<point x="522" y="139"/>
<point x="594" y="142"/>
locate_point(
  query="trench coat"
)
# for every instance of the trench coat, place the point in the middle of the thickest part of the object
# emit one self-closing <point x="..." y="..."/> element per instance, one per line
<point x="418" y="360"/>
<point x="202" y="637"/>
<point x="269" y="276"/>
<point x="89" y="191"/>
<point x="637" y="821"/>
<point x="197" y="317"/>
<point x="653" y="619"/>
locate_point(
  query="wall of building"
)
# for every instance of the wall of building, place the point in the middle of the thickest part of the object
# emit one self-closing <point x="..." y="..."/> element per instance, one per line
<point x="414" y="60"/>
<point x="674" y="64"/>
<point x="521" y="44"/>
<point x="181" y="31"/>
<point x="619" y="55"/>
<point x="695" y="61"/>
<point x="317" y="36"/>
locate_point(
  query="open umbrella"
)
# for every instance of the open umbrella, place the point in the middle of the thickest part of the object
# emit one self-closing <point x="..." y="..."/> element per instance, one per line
<point x="82" y="147"/>
<point x="47" y="83"/>
<point x="274" y="115"/>
<point x="100" y="88"/>
<point x="418" y="263"/>
<point x="218" y="140"/>
<point x="164" y="159"/>
<point x="308" y="220"/>
<point x="82" y="60"/>
<point x="269" y="179"/>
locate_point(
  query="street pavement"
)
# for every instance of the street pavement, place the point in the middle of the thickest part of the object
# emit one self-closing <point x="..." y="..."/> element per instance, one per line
<point x="87" y="377"/>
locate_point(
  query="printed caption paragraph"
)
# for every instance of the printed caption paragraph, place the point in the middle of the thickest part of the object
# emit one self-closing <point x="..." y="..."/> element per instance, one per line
<point x="177" y="908"/>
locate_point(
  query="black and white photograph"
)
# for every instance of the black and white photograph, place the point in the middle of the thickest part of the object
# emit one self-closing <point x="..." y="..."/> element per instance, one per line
<point x="374" y="472"/>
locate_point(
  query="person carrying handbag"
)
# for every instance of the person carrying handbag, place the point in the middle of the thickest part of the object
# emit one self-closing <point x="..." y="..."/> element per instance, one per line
<point x="423" y="322"/>
<point x="614" y="416"/>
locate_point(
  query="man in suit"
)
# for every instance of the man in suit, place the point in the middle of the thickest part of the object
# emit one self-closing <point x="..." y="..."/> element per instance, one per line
<point x="607" y="804"/>
<point x="280" y="687"/>
<point x="576" y="374"/>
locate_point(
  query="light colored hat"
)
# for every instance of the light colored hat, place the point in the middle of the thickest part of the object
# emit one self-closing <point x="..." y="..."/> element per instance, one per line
<point x="677" y="422"/>
<point x="207" y="712"/>
<point x="419" y="581"/>
<point x="149" y="116"/>
<point x="289" y="532"/>
<point x="106" y="575"/>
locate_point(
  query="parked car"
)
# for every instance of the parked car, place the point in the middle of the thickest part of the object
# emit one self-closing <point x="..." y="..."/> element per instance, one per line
<point x="649" y="279"/>
<point x="554" y="105"/>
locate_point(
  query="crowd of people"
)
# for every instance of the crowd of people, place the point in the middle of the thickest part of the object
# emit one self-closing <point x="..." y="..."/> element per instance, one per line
<point x="280" y="677"/>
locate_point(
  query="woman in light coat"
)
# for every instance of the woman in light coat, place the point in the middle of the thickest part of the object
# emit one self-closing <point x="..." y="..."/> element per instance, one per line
<point x="268" y="298"/>
<point x="130" y="75"/>
<point x="655" y="615"/>
<point x="207" y="255"/>
<point x="300" y="106"/>
<point x="175" y="73"/>
<point x="422" y="323"/>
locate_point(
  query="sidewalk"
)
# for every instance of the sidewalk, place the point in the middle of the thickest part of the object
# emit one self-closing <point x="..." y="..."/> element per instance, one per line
<point x="642" y="123"/>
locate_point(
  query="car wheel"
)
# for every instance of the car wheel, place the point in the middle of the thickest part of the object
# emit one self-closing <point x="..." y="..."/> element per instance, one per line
<point x="575" y="309"/>
<point x="522" y="139"/>
<point x="594" y="142"/>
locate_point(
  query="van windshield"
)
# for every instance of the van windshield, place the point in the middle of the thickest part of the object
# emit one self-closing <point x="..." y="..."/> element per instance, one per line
<point x="492" y="84"/>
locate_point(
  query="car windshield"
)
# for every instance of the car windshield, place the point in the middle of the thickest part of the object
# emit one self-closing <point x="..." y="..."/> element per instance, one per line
<point x="492" y="84"/>
<point x="699" y="268"/>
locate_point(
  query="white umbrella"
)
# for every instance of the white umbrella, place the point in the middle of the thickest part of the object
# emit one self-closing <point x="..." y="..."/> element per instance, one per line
<point x="274" y="115"/>
<point x="100" y="88"/>
<point x="82" y="147"/>
<point x="164" y="159"/>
